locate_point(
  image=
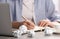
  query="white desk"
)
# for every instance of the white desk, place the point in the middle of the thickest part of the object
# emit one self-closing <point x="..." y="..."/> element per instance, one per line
<point x="39" y="35"/>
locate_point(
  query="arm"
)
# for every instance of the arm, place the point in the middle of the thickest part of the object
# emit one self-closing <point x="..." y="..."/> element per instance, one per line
<point x="53" y="14"/>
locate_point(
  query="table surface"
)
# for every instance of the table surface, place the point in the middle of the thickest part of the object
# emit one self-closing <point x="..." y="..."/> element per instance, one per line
<point x="38" y="35"/>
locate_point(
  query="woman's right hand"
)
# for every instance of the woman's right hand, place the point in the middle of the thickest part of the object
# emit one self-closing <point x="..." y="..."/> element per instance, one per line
<point x="28" y="23"/>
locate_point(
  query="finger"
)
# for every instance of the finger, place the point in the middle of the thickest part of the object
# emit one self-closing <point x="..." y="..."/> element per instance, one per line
<point x="30" y="27"/>
<point x="25" y="24"/>
<point x="49" y="25"/>
<point x="41" y="24"/>
<point x="44" y="24"/>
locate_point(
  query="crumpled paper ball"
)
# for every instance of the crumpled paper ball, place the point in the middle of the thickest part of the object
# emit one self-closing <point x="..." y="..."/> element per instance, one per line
<point x="31" y="33"/>
<point x="23" y="29"/>
<point x="16" y="33"/>
<point x="48" y="31"/>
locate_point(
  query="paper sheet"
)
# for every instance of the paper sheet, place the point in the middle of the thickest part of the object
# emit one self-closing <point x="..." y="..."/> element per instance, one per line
<point x="38" y="28"/>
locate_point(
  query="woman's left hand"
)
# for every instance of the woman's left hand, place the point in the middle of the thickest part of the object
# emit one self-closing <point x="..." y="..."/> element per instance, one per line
<point x="44" y="23"/>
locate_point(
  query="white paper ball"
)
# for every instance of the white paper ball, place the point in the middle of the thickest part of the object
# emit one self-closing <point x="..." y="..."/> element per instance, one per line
<point x="23" y="29"/>
<point x="48" y="31"/>
<point x="31" y="34"/>
<point x="16" y="33"/>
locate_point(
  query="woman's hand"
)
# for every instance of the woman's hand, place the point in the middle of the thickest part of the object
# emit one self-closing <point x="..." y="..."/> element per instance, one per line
<point x="28" y="23"/>
<point x="44" y="23"/>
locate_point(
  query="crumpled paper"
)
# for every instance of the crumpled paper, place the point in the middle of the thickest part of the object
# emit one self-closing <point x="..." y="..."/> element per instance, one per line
<point x="31" y="33"/>
<point x="49" y="31"/>
<point x="22" y="29"/>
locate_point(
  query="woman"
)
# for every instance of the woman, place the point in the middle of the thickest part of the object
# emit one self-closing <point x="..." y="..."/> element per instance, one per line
<point x="45" y="13"/>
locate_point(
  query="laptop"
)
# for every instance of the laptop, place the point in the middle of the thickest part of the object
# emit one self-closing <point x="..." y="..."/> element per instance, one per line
<point x="5" y="20"/>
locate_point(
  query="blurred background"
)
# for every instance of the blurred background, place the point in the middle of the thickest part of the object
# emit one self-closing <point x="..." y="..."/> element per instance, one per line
<point x="57" y="5"/>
